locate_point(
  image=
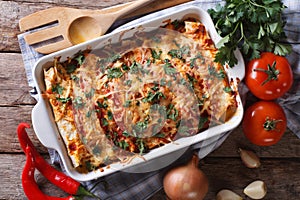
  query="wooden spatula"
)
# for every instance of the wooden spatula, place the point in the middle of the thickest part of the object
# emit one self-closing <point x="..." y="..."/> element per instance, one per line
<point x="74" y="25"/>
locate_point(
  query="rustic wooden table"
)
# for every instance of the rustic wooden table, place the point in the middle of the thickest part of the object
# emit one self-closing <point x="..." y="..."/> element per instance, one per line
<point x="280" y="167"/>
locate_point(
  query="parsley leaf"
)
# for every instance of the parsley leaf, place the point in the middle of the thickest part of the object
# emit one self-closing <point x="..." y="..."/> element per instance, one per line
<point x="78" y="102"/>
<point x="63" y="100"/>
<point x="218" y="74"/>
<point x="168" y="68"/>
<point x="57" y="89"/>
<point x="179" y="53"/>
<point x="251" y="26"/>
<point x="153" y="97"/>
<point x="141" y="145"/>
<point x="156" y="55"/>
<point x="114" y="73"/>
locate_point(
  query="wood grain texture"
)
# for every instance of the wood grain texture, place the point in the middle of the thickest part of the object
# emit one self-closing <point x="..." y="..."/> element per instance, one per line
<point x="12" y="11"/>
<point x="280" y="176"/>
<point x="287" y="147"/>
<point x="11" y="172"/>
<point x="14" y="89"/>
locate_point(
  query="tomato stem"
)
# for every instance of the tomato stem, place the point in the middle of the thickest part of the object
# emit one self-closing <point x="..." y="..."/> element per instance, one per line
<point x="272" y="72"/>
<point x="270" y="124"/>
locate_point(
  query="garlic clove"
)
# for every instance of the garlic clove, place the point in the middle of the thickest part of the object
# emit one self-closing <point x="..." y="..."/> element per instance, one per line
<point x="256" y="190"/>
<point x="249" y="158"/>
<point x="228" y="195"/>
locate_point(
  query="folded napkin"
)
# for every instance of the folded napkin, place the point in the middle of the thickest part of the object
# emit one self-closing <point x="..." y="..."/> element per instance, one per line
<point x="125" y="185"/>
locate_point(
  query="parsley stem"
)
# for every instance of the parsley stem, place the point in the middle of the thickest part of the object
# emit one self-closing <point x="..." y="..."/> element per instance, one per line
<point x="242" y="32"/>
<point x="257" y="5"/>
<point x="235" y="28"/>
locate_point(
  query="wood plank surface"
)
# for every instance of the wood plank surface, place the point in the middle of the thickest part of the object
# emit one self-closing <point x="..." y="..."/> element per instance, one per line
<point x="12" y="11"/>
<point x="280" y="163"/>
<point x="280" y="175"/>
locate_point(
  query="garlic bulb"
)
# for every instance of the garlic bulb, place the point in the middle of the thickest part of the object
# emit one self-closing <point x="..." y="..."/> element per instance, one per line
<point x="228" y="195"/>
<point x="249" y="158"/>
<point x="256" y="190"/>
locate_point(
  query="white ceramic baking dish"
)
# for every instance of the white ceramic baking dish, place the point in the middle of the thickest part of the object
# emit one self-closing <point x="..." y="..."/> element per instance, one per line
<point x="47" y="132"/>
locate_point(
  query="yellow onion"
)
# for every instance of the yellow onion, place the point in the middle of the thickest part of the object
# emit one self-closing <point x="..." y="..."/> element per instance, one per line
<point x="186" y="182"/>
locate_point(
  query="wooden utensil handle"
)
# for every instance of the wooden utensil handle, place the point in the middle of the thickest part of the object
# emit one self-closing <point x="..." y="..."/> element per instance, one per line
<point x="133" y="6"/>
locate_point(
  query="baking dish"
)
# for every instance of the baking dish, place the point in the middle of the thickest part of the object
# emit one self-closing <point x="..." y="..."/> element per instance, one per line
<point x="47" y="132"/>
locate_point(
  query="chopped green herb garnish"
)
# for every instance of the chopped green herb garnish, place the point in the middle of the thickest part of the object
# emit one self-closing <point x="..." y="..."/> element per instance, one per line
<point x="78" y="102"/>
<point x="96" y="150"/>
<point x="179" y="53"/>
<point x="127" y="103"/>
<point x="141" y="126"/>
<point x="159" y="135"/>
<point x="202" y="122"/>
<point x="90" y="94"/>
<point x="74" y="78"/>
<point x="156" y="55"/>
<point x="134" y="68"/>
<point x="114" y="73"/>
<point x="126" y="134"/>
<point x="80" y="59"/>
<point x="102" y="105"/>
<point x="192" y="80"/>
<point x="128" y="82"/>
<point x="113" y="58"/>
<point x="161" y="109"/>
<point x="57" y="89"/>
<point x="172" y="112"/>
<point x="227" y="89"/>
<point x="123" y="144"/>
<point x="63" y="100"/>
<point x="177" y="23"/>
<point x="70" y="67"/>
<point x="183" y="130"/>
<point x="89" y="113"/>
<point x="155" y="88"/>
<point x="125" y="67"/>
<point x="141" y="146"/>
<point x="153" y="97"/>
<point x="89" y="166"/>
<point x="110" y="115"/>
<point x="193" y="60"/>
<point x="175" y="53"/>
<point x="148" y="62"/>
<point x="104" y="122"/>
<point x="163" y="82"/>
<point x="168" y="68"/>
<point x="212" y="71"/>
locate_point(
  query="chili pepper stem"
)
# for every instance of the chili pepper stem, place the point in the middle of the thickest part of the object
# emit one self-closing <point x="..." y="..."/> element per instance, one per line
<point x="84" y="192"/>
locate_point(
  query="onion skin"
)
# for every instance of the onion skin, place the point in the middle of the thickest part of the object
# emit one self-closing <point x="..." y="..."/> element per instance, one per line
<point x="186" y="182"/>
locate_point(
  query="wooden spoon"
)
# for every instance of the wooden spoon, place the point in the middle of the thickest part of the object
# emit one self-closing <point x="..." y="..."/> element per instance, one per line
<point x="74" y="25"/>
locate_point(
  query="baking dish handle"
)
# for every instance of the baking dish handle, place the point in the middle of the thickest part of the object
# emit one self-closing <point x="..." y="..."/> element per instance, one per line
<point x="43" y="126"/>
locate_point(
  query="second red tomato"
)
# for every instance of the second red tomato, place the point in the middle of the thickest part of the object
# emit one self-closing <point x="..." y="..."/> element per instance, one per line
<point x="264" y="123"/>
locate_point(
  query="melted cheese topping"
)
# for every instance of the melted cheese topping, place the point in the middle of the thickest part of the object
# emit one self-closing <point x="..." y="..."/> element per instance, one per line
<point x="139" y="94"/>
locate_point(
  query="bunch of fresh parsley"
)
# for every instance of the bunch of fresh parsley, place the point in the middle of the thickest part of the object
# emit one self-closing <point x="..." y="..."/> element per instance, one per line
<point x="253" y="26"/>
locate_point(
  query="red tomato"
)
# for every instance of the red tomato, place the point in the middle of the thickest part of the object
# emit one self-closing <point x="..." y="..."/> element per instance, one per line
<point x="264" y="123"/>
<point x="269" y="76"/>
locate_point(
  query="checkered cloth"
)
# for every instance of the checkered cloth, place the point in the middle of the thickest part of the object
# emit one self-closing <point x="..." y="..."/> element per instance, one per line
<point x="124" y="185"/>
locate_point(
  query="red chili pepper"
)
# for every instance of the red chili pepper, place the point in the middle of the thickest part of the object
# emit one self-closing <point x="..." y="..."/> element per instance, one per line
<point x="56" y="177"/>
<point x="31" y="189"/>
